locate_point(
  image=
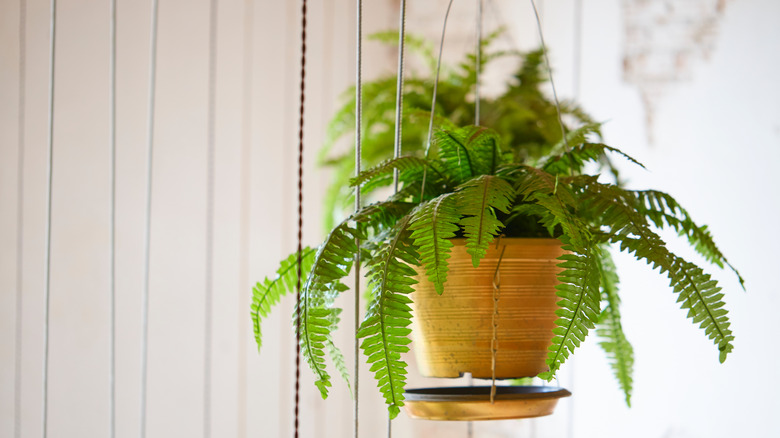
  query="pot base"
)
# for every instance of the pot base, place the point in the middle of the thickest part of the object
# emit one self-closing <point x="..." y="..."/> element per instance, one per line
<point x="472" y="403"/>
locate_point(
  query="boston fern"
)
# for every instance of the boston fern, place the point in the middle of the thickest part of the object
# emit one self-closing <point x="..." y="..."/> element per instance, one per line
<point x="472" y="186"/>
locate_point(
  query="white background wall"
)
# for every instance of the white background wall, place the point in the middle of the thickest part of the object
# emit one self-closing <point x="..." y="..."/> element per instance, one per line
<point x="715" y="145"/>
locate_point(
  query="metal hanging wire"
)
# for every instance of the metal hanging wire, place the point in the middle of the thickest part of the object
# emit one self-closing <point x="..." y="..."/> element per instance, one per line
<point x="433" y="99"/>
<point x="47" y="238"/>
<point x="22" y="105"/>
<point x="399" y="94"/>
<point x="549" y="71"/>
<point x="245" y="213"/>
<point x="112" y="219"/>
<point x="358" y="158"/>
<point x="210" y="171"/>
<point x="148" y="213"/>
<point x="300" y="222"/>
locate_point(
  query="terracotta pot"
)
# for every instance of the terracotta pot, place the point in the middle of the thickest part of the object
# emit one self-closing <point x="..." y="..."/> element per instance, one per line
<point x="453" y="331"/>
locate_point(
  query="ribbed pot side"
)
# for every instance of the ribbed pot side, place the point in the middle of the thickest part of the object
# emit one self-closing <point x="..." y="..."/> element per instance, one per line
<point x="453" y="331"/>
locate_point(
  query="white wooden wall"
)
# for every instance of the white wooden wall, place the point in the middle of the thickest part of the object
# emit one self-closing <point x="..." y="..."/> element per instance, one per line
<point x="724" y="111"/>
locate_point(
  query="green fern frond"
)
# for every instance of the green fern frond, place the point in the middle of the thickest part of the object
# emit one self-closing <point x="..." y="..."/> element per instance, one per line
<point x="455" y="155"/>
<point x="619" y="351"/>
<point x="698" y="292"/>
<point x="579" y="306"/>
<point x="701" y="296"/>
<point x="387" y="167"/>
<point x="385" y="328"/>
<point x="578" y="136"/>
<point x="572" y="161"/>
<point x="663" y="210"/>
<point x="477" y="201"/>
<point x="433" y="225"/>
<point x="332" y="263"/>
<point x="267" y="294"/>
<point x="336" y="356"/>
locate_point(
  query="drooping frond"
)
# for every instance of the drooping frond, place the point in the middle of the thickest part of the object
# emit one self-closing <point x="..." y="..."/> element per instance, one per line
<point x="619" y="351"/>
<point x="267" y="294"/>
<point x="628" y="228"/>
<point x="433" y="225"/>
<point x="579" y="306"/>
<point x="315" y="312"/>
<point x="385" y="327"/>
<point x="663" y="210"/>
<point x="477" y="200"/>
<point x="572" y="161"/>
<point x="701" y="296"/>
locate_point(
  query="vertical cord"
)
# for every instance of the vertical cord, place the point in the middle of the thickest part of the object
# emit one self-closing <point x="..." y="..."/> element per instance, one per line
<point x="358" y="157"/>
<point x="549" y="70"/>
<point x="399" y="103"/>
<point x="210" y="158"/>
<point x="20" y="218"/>
<point x="399" y="92"/>
<point x="300" y="221"/>
<point x="478" y="67"/>
<point x="433" y="103"/>
<point x="112" y="231"/>
<point x="245" y="196"/>
<point x="148" y="216"/>
<point x="47" y="239"/>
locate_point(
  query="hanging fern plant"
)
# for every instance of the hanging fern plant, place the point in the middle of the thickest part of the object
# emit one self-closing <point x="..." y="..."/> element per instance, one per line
<point x="472" y="187"/>
<point x="516" y="177"/>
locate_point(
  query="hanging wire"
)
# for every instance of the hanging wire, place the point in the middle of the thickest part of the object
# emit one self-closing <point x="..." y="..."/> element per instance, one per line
<point x="112" y="216"/>
<point x="399" y="104"/>
<point x="300" y="221"/>
<point x="399" y="94"/>
<point x="433" y="103"/>
<point x="148" y="215"/>
<point x="549" y="70"/>
<point x="245" y="213"/>
<point x="210" y="171"/>
<point x="20" y="218"/>
<point x="47" y="239"/>
<point x="358" y="158"/>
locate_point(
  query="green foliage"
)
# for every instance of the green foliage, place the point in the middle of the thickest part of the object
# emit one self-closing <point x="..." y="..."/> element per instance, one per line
<point x="522" y="117"/>
<point x="619" y="351"/>
<point x="385" y="328"/>
<point x="515" y="176"/>
<point x="433" y="225"/>
<point x="477" y="200"/>
<point x="269" y="292"/>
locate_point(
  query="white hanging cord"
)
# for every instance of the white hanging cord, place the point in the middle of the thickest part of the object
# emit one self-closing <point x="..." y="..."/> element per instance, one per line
<point x="433" y="103"/>
<point x="552" y="82"/>
<point x="210" y="171"/>
<point x="47" y="239"/>
<point x="399" y="95"/>
<point x="20" y="218"/>
<point x="112" y="216"/>
<point x="479" y="64"/>
<point x="245" y="196"/>
<point x="358" y="158"/>
<point x="148" y="216"/>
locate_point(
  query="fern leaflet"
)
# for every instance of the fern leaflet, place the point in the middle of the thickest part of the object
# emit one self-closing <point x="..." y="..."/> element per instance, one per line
<point x="433" y="225"/>
<point x="477" y="201"/>
<point x="385" y="327"/>
<point x="267" y="294"/>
